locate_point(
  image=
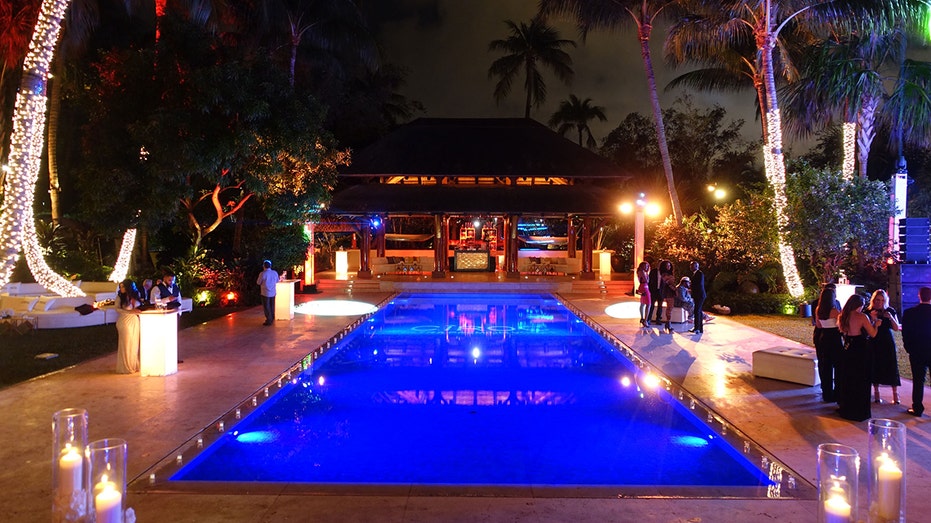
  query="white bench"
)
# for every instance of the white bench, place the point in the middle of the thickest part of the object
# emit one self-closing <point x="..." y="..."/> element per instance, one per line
<point x="797" y="365"/>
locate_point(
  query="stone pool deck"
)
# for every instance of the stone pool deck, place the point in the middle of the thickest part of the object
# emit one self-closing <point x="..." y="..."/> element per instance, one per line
<point x="229" y="359"/>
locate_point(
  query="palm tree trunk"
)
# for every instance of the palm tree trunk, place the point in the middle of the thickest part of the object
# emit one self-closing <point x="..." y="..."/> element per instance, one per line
<point x="17" y="222"/>
<point x="54" y="109"/>
<point x="776" y="166"/>
<point x="644" y="34"/>
<point x="529" y="87"/>
<point x="866" y="131"/>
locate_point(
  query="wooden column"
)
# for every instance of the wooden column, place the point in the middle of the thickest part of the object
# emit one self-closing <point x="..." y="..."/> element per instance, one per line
<point x="380" y="238"/>
<point x="587" y="273"/>
<point x="440" y="246"/>
<point x="365" y="271"/>
<point x="571" y="237"/>
<point x="511" y="246"/>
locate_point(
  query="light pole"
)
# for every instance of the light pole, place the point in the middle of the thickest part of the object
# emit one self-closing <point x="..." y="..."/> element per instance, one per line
<point x="640" y="207"/>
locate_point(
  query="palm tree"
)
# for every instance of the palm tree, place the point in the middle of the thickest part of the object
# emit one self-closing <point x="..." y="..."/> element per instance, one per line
<point x="612" y="15"/>
<point x="844" y="77"/>
<point x="529" y="47"/>
<point x="765" y="20"/>
<point x="575" y="114"/>
<point x="17" y="221"/>
<point x="330" y="31"/>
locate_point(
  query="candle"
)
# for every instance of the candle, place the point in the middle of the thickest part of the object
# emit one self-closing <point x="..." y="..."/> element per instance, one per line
<point x="836" y="509"/>
<point x="108" y="503"/>
<point x="70" y="471"/>
<point x="890" y="489"/>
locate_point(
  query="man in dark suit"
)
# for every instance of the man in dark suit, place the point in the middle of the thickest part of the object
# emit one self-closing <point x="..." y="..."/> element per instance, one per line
<point x="656" y="294"/>
<point x="916" y="336"/>
<point x="698" y="296"/>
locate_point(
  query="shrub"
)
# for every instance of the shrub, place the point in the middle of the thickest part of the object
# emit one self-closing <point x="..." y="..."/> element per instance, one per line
<point x="761" y="303"/>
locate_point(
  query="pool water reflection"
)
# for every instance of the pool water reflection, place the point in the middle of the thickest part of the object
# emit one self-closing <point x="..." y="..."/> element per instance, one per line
<point x="483" y="390"/>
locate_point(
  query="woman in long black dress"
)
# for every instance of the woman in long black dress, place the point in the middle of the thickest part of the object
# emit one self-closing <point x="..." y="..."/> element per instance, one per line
<point x="853" y="395"/>
<point x="829" y="346"/>
<point x="882" y="346"/>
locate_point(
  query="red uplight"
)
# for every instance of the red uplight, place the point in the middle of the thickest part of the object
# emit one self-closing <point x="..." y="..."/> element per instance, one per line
<point x="231" y="296"/>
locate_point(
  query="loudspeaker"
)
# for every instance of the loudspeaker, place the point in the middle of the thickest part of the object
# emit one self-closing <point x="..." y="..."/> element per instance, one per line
<point x="915" y="240"/>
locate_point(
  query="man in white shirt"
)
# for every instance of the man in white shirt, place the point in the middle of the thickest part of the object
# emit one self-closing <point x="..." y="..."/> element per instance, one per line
<point x="267" y="280"/>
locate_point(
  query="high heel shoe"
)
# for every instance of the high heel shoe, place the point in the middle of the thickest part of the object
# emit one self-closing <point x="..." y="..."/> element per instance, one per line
<point x="668" y="327"/>
<point x="643" y="322"/>
<point x="895" y="397"/>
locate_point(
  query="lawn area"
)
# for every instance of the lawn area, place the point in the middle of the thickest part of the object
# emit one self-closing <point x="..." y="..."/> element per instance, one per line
<point x="18" y="360"/>
<point x="799" y="329"/>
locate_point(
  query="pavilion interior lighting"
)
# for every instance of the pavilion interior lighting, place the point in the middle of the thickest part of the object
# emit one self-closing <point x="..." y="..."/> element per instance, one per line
<point x="122" y="261"/>
<point x="850" y="149"/>
<point x="17" y="222"/>
<point x="776" y="174"/>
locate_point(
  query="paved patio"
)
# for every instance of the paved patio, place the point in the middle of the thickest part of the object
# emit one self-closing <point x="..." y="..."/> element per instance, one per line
<point x="229" y="359"/>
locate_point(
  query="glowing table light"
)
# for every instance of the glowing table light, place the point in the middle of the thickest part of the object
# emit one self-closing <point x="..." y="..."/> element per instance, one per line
<point x="342" y="264"/>
<point x="335" y="308"/>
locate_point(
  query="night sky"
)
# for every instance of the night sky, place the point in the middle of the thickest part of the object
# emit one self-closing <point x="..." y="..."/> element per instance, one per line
<point x="444" y="45"/>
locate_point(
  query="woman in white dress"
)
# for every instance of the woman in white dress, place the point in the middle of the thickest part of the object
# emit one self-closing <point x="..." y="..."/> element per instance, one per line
<point x="127" y="324"/>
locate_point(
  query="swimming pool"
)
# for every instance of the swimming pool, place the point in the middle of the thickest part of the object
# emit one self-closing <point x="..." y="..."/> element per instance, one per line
<point x="470" y="391"/>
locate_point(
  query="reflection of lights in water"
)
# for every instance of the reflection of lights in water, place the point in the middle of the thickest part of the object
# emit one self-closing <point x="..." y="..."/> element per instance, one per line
<point x="321" y="380"/>
<point x="719" y="378"/>
<point x="625" y="381"/>
<point x="624" y="310"/>
<point x="651" y="380"/>
<point x="335" y="308"/>
<point x="690" y="441"/>
<point x="476" y="352"/>
<point x="258" y="436"/>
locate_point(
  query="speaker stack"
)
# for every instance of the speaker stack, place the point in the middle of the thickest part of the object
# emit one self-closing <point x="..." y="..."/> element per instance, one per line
<point x="914" y="268"/>
<point x="915" y="240"/>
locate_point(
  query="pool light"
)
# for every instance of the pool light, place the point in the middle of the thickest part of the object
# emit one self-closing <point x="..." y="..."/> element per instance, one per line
<point x="651" y="380"/>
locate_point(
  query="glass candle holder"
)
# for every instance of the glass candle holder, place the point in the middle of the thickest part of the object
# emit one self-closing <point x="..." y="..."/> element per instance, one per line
<point x="886" y="471"/>
<point x="69" y="440"/>
<point x="838" y="466"/>
<point x="106" y="498"/>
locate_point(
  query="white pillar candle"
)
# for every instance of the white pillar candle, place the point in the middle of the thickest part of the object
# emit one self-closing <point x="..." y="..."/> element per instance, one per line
<point x="890" y="489"/>
<point x="108" y="503"/>
<point x="70" y="470"/>
<point x="836" y="509"/>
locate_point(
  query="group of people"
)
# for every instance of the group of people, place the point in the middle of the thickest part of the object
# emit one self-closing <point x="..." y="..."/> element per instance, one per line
<point x="657" y="285"/>
<point x="856" y="349"/>
<point x="160" y="293"/>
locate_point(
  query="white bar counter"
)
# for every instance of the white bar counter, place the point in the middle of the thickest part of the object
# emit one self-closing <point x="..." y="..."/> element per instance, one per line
<point x="158" y="342"/>
<point x="284" y="299"/>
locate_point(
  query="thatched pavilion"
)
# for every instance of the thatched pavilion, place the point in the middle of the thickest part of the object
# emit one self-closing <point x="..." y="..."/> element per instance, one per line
<point x="478" y="182"/>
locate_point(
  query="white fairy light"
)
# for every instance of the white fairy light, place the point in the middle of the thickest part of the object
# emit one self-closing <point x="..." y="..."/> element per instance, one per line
<point x="776" y="173"/>
<point x="126" y="253"/>
<point x="850" y="149"/>
<point x="17" y="222"/>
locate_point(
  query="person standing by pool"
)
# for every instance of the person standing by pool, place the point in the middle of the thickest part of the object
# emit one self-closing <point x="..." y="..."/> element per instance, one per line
<point x="127" y="325"/>
<point x="643" y="289"/>
<point x="267" y="281"/>
<point x="855" y="373"/>
<point x="667" y="291"/>
<point x="885" y="361"/>
<point x="829" y="346"/>
<point x="656" y="294"/>
<point x="916" y="337"/>
<point x="698" y="296"/>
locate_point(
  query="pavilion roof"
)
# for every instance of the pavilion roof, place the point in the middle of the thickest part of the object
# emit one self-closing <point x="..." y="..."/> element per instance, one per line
<point x="499" y="147"/>
<point x="548" y="200"/>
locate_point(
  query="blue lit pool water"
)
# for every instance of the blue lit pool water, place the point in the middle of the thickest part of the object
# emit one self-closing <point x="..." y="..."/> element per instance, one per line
<point x="456" y="389"/>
